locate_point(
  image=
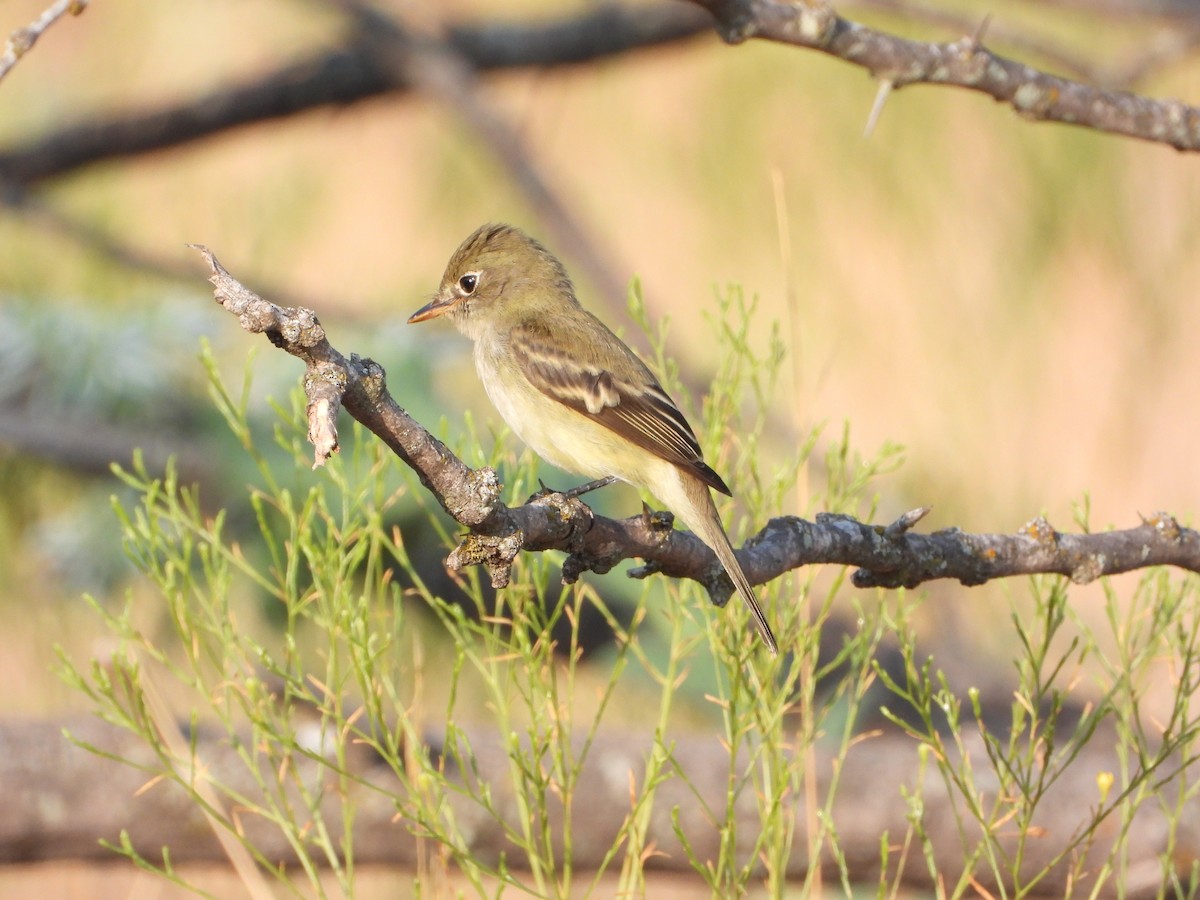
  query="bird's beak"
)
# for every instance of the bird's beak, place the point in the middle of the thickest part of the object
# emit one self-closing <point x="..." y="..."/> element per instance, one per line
<point x="440" y="304"/>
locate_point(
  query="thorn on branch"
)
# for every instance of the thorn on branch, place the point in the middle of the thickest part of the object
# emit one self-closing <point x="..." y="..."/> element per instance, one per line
<point x="885" y="90"/>
<point x="903" y="524"/>
<point x="977" y="38"/>
<point x="1034" y="94"/>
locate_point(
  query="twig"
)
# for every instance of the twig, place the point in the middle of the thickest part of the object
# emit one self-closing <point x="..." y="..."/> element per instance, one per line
<point x="191" y="769"/>
<point x="22" y="40"/>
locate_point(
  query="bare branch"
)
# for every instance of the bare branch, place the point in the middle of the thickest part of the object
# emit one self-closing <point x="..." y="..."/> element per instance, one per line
<point x="886" y="556"/>
<point x="1036" y="549"/>
<point x="1176" y="43"/>
<point x="965" y="63"/>
<point x="344" y="76"/>
<point x="350" y="74"/>
<point x="22" y="40"/>
<point x="91" y="445"/>
<point x="961" y="23"/>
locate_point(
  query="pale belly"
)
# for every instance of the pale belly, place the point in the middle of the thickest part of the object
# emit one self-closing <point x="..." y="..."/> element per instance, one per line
<point x="571" y="442"/>
<point x="562" y="436"/>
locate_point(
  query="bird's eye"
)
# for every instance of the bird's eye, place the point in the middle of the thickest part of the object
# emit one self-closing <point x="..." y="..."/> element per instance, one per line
<point x="469" y="282"/>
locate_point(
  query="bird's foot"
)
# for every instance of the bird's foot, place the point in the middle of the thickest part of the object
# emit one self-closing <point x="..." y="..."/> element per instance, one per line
<point x="574" y="492"/>
<point x="590" y="486"/>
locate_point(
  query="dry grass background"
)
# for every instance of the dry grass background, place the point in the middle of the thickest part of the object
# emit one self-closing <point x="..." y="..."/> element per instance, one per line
<point x="1012" y="302"/>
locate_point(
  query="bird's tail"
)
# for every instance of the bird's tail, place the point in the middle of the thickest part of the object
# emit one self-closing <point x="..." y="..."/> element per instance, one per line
<point x="706" y="524"/>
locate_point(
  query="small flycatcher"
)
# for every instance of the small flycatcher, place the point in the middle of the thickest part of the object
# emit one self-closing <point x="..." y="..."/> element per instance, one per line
<point x="571" y="389"/>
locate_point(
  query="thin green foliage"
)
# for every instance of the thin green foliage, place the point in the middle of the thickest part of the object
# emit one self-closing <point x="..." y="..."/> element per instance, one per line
<point x="1004" y="781"/>
<point x="309" y="627"/>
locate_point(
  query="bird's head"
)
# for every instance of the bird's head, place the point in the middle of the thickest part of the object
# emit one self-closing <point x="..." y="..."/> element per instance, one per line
<point x="497" y="277"/>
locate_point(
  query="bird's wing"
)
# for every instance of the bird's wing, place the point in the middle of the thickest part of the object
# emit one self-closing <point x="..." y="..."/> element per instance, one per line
<point x="637" y="409"/>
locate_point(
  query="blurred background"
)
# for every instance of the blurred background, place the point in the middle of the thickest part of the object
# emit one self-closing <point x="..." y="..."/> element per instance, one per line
<point x="1009" y="301"/>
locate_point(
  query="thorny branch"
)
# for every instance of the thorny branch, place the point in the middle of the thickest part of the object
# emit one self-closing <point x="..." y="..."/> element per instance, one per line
<point x="966" y="63"/>
<point x="376" y="60"/>
<point x="885" y="556"/>
<point x="1176" y="40"/>
<point x="351" y="73"/>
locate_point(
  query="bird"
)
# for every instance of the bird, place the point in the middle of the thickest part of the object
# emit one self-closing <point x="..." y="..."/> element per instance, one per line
<point x="572" y="390"/>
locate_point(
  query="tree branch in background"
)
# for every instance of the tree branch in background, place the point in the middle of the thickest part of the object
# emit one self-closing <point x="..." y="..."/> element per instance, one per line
<point x="22" y="40"/>
<point x="1176" y="43"/>
<point x="342" y="77"/>
<point x="399" y="56"/>
<point x="351" y="74"/>
<point x="382" y="56"/>
<point x="91" y="446"/>
<point x="886" y="556"/>
<point x="957" y="22"/>
<point x="408" y="53"/>
<point x="898" y="62"/>
<point x="79" y="231"/>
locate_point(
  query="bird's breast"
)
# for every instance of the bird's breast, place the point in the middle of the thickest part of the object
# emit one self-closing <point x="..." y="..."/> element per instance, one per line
<point x="557" y="433"/>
